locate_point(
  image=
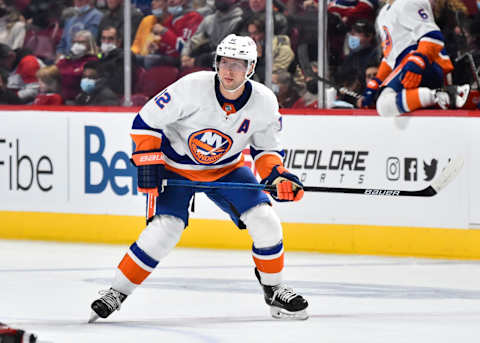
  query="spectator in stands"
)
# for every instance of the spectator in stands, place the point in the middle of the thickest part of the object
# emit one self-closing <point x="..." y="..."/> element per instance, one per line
<point x="7" y="96"/>
<point x="256" y="8"/>
<point x="352" y="10"/>
<point x="143" y="35"/>
<point x="463" y="72"/>
<point x="83" y="49"/>
<point x="202" y="7"/>
<point x="44" y="31"/>
<point x="309" y="97"/>
<point x="95" y="91"/>
<point x="307" y="45"/>
<point x="347" y="78"/>
<point x="111" y="62"/>
<point x="144" y="6"/>
<point x="363" y="47"/>
<point x="49" y="79"/>
<point x="87" y="18"/>
<point x="12" y="26"/>
<point x="114" y="17"/>
<point x="22" y="66"/>
<point x="282" y="86"/>
<point x="178" y="28"/>
<point x="283" y="54"/>
<point x="200" y="48"/>
<point x="370" y="73"/>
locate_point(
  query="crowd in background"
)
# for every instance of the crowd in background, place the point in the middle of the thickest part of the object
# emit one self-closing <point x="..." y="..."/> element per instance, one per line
<point x="70" y="52"/>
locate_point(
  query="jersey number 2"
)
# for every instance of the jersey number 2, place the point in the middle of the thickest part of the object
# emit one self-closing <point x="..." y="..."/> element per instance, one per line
<point x="162" y="99"/>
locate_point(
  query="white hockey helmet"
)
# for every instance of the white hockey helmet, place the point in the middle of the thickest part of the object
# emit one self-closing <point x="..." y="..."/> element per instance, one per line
<point x="240" y="47"/>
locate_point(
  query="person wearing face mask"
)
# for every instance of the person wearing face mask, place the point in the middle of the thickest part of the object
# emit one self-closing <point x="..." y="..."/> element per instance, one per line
<point x="111" y="61"/>
<point x="144" y="32"/>
<point x="167" y="38"/>
<point x="362" y="45"/>
<point x="86" y="18"/>
<point x="83" y="49"/>
<point x="94" y="89"/>
<point x="180" y="26"/>
<point x="199" y="50"/>
<point x="114" y="17"/>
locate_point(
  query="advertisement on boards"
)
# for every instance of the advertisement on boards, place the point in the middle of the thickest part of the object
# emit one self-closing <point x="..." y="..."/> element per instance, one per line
<point x="56" y="162"/>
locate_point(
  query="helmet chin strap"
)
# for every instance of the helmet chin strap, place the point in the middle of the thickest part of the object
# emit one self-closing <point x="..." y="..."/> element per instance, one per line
<point x="231" y="90"/>
<point x="246" y="78"/>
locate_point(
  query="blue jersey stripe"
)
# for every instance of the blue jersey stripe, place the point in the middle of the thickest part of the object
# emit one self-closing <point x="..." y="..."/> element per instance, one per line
<point x="139" y="124"/>
<point x="435" y="35"/>
<point x="254" y="152"/>
<point x="142" y="256"/>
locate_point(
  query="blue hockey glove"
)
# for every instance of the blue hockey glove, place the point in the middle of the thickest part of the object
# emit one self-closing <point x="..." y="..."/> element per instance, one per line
<point x="150" y="166"/>
<point x="371" y="92"/>
<point x="289" y="187"/>
<point x="413" y="70"/>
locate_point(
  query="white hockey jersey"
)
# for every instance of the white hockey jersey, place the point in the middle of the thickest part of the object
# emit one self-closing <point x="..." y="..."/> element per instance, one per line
<point x="403" y="24"/>
<point x="198" y="138"/>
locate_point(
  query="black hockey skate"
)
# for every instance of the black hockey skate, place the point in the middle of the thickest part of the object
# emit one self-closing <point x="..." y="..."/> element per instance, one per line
<point x="452" y="97"/>
<point x="283" y="301"/>
<point x="109" y="301"/>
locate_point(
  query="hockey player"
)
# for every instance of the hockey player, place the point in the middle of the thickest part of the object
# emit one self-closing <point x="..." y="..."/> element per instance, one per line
<point x="414" y="65"/>
<point x="196" y="129"/>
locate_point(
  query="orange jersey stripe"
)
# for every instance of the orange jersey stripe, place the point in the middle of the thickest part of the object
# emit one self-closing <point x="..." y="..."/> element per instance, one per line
<point x="429" y="49"/>
<point x="132" y="271"/>
<point x="265" y="164"/>
<point x="207" y="174"/>
<point x="444" y="63"/>
<point x="270" y="266"/>
<point x="383" y="70"/>
<point x="146" y="142"/>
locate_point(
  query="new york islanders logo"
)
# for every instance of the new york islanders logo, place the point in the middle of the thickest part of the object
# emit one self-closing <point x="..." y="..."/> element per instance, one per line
<point x="209" y="145"/>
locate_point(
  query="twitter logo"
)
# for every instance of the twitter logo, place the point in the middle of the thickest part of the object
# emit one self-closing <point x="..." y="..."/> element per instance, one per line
<point x="430" y="169"/>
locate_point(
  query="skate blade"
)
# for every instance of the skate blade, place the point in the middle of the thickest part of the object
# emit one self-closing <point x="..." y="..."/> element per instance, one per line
<point x="93" y="317"/>
<point x="280" y="313"/>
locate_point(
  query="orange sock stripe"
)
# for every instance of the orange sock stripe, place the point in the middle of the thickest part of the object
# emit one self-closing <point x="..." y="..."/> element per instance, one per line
<point x="132" y="271"/>
<point x="413" y="99"/>
<point x="270" y="266"/>
<point x="152" y="202"/>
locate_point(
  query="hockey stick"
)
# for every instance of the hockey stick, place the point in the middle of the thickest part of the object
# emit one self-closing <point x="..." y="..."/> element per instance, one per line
<point x="306" y="66"/>
<point x="341" y="90"/>
<point x="447" y="175"/>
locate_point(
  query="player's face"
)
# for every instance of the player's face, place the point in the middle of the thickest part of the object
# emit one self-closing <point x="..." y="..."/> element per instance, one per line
<point x="231" y="72"/>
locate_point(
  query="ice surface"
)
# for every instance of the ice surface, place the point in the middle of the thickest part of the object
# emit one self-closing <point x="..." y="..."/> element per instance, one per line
<point x="212" y="296"/>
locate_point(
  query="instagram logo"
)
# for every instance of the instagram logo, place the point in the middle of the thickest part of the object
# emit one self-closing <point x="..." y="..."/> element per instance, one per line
<point x="393" y="168"/>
